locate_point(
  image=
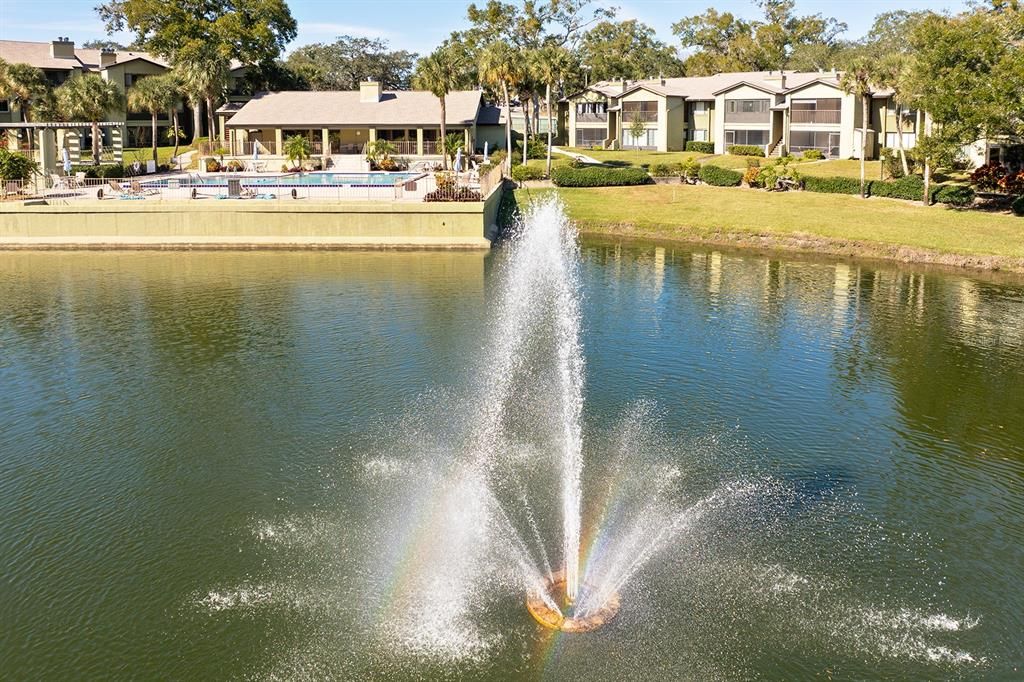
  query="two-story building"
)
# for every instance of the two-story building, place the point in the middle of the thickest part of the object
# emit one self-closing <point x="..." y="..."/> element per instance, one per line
<point x="780" y="111"/>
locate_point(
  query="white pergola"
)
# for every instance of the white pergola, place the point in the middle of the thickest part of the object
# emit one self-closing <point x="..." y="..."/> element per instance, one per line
<point x="52" y="136"/>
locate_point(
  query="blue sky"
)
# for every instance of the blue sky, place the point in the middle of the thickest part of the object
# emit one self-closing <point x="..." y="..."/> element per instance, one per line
<point x="419" y="25"/>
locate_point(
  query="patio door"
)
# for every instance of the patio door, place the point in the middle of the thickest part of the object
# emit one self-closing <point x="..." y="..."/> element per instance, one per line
<point x="833" y="145"/>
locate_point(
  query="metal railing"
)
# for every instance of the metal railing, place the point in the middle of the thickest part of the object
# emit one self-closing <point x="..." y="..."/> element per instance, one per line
<point x="637" y="115"/>
<point x="405" y="147"/>
<point x="830" y="116"/>
<point x="592" y="118"/>
<point x="458" y="187"/>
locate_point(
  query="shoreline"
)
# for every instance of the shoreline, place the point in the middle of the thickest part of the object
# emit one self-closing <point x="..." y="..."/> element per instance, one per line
<point x="810" y="245"/>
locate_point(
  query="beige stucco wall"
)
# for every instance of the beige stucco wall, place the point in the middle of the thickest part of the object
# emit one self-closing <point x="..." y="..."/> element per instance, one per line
<point x="741" y="92"/>
<point x="115" y="223"/>
<point x="572" y="123"/>
<point x="702" y="121"/>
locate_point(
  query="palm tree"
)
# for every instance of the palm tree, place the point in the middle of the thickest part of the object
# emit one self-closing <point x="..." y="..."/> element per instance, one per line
<point x="204" y="79"/>
<point x="441" y="72"/>
<point x="156" y="95"/>
<point x="856" y="79"/>
<point x="297" y="148"/>
<point x="500" y="68"/>
<point x="551" y="66"/>
<point x="890" y="76"/>
<point x="89" y="97"/>
<point x="22" y="85"/>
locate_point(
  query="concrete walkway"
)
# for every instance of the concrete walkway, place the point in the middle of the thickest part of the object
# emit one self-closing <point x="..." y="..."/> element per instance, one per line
<point x="579" y="157"/>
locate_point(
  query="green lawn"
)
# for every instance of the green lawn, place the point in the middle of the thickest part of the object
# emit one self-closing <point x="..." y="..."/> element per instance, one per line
<point x="849" y="168"/>
<point x="144" y="154"/>
<point x="695" y="211"/>
<point x="634" y="157"/>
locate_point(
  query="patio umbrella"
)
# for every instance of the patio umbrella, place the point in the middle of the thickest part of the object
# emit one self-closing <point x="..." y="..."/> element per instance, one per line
<point x="66" y="155"/>
<point x="458" y="161"/>
<point x="255" y="152"/>
<point x="485" y="151"/>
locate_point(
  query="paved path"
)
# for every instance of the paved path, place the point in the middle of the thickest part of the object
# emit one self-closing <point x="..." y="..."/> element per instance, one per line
<point x="578" y="157"/>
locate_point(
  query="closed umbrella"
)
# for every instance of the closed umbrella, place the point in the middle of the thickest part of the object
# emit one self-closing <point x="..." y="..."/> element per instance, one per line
<point x="66" y="155"/>
<point x="485" y="151"/>
<point x="458" y="160"/>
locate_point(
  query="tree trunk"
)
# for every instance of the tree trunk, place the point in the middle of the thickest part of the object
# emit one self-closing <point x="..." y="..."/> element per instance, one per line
<point x="899" y="139"/>
<point x="508" y="129"/>
<point x="95" y="143"/>
<point x="444" y="131"/>
<point x="155" y="159"/>
<point x="174" y="120"/>
<point x="927" y="180"/>
<point x="865" y="115"/>
<point x="209" y="118"/>
<point x="547" y="97"/>
<point x="197" y="121"/>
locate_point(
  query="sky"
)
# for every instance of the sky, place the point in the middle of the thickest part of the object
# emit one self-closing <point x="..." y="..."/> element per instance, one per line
<point x="420" y="25"/>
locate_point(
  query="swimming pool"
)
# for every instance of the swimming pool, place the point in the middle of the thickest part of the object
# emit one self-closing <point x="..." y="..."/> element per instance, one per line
<point x="314" y="179"/>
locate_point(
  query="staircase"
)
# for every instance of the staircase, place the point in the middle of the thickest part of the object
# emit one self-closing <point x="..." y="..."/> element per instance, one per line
<point x="775" y="150"/>
<point x="349" y="163"/>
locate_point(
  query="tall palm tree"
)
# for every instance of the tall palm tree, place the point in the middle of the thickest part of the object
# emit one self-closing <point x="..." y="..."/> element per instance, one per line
<point x="156" y="95"/>
<point x="22" y="85"/>
<point x="204" y="79"/>
<point x="89" y="97"/>
<point x="890" y="75"/>
<point x="441" y="72"/>
<point x="501" y="68"/>
<point x="552" y="65"/>
<point x="856" y="80"/>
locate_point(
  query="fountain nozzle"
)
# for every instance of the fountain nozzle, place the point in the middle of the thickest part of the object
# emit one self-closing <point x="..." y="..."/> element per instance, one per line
<point x="540" y="607"/>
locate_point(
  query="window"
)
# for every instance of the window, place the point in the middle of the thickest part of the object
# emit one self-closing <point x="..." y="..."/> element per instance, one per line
<point x="700" y="135"/>
<point x="825" y="141"/>
<point x="909" y="140"/>
<point x="4" y="106"/>
<point x="592" y="111"/>
<point x="752" y="137"/>
<point x="590" y="137"/>
<point x="649" y="139"/>
<point x="747" y="106"/>
<point x="639" y="111"/>
<point x="825" y="110"/>
<point x="700" y="107"/>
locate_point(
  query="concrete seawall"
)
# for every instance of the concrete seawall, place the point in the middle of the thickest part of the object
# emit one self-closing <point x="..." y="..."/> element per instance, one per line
<point x="248" y="224"/>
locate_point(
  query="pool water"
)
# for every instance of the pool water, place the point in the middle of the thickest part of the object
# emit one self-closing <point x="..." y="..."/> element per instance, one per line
<point x="295" y="180"/>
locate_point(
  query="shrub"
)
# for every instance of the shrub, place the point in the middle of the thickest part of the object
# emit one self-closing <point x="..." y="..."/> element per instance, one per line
<point x="702" y="147"/>
<point x="538" y="147"/>
<point x="831" y="185"/>
<point x="453" y="194"/>
<point x="1018" y="206"/>
<point x="910" y="188"/>
<point x="15" y="166"/>
<point x="745" y="150"/>
<point x="212" y="165"/>
<point x="778" y="175"/>
<point x="750" y="177"/>
<point x="497" y="157"/>
<point x="690" y="170"/>
<point x="753" y="163"/>
<point x="1012" y="183"/>
<point x="720" y="177"/>
<point x="235" y="166"/>
<point x="598" y="176"/>
<point x="986" y="178"/>
<point x="813" y="154"/>
<point x="661" y="170"/>
<point x="90" y="171"/>
<point x="893" y="165"/>
<point x="954" y="195"/>
<point x="523" y="172"/>
<point x="114" y="170"/>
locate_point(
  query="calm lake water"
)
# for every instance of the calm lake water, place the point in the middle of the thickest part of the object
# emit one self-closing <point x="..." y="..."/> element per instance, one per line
<point x="198" y="452"/>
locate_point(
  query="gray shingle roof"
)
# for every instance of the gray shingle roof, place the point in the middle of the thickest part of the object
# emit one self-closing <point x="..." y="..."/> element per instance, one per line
<point x="705" y="87"/>
<point x="325" y="109"/>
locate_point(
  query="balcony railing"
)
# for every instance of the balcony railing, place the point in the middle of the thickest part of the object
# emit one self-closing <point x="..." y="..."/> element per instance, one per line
<point x="592" y="118"/>
<point x="643" y="116"/>
<point x="830" y="116"/>
<point x="747" y="116"/>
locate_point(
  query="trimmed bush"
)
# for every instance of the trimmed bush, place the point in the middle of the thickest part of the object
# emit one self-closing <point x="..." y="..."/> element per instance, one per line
<point x="702" y="147"/>
<point x="690" y="170"/>
<point x="720" y="177"/>
<point x="90" y="170"/>
<point x="16" y="166"/>
<point x="954" y="195"/>
<point x="837" y="185"/>
<point x="114" y="170"/>
<point x="910" y="188"/>
<point x="523" y="172"/>
<point x="453" y="194"/>
<point x="598" y="176"/>
<point x="745" y="150"/>
<point x="662" y="170"/>
<point x="813" y="154"/>
<point x="1018" y="206"/>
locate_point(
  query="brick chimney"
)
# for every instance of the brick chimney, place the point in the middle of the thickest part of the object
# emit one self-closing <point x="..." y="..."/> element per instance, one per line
<point x="107" y="58"/>
<point x="62" y="48"/>
<point x="370" y="90"/>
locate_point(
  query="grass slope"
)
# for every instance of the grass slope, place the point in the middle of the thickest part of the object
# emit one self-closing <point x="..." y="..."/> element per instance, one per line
<point x="696" y="212"/>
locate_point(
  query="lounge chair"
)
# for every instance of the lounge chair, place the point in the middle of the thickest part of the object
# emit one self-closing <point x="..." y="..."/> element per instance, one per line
<point x="117" y="189"/>
<point x="80" y="179"/>
<point x="58" y="182"/>
<point x="139" y="190"/>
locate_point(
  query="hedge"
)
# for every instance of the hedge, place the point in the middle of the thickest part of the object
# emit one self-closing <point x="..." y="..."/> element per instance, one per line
<point x="523" y="172"/>
<point x="836" y="185"/>
<point x="720" y="177"/>
<point x="813" y="154"/>
<point x="702" y="147"/>
<point x="598" y="176"/>
<point x="745" y="150"/>
<point x="954" y="195"/>
<point x="910" y="188"/>
<point x="1018" y="205"/>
